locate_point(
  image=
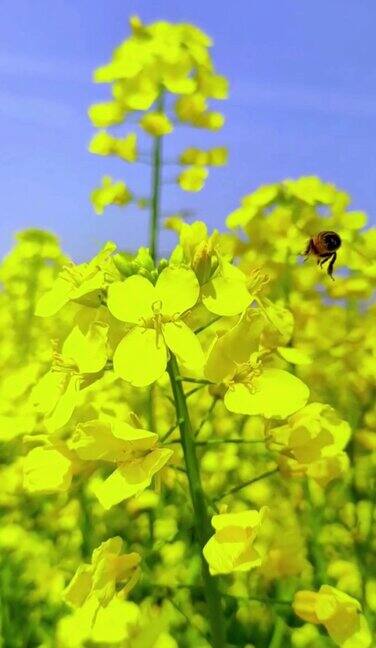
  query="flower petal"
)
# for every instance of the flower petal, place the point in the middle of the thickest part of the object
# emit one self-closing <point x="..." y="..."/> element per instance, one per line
<point x="139" y="358"/>
<point x="66" y="404"/>
<point x="47" y="470"/>
<point x="88" y="351"/>
<point x="132" y="299"/>
<point x="274" y="394"/>
<point x="54" y="299"/>
<point x="131" y="478"/>
<point x="227" y="293"/>
<point x="234" y="347"/>
<point x="178" y="290"/>
<point x="184" y="343"/>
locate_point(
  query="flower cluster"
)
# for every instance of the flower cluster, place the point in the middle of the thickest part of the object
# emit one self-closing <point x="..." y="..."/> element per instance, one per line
<point x="187" y="444"/>
<point x="166" y="72"/>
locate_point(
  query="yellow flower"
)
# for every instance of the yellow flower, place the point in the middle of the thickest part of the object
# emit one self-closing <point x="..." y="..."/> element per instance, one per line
<point x="110" y="193"/>
<point x="218" y="156"/>
<point x="126" y="148"/>
<point x="155" y="315"/>
<point x="55" y="396"/>
<point x="99" y="579"/>
<point x="231" y="548"/>
<point x="135" y="452"/>
<point x="194" y="156"/>
<point x="286" y="556"/>
<point x="156" y="124"/>
<point x="213" y="157"/>
<point x="226" y="293"/>
<point x="252" y="389"/>
<point x="57" y="393"/>
<point x="313" y="440"/>
<point x="106" y="114"/>
<point x="48" y="469"/>
<point x="328" y="468"/>
<point x="338" y="612"/>
<point x="95" y="624"/>
<point x="80" y="283"/>
<point x="104" y="144"/>
<point x="192" y="109"/>
<point x="87" y="351"/>
<point x="193" y="178"/>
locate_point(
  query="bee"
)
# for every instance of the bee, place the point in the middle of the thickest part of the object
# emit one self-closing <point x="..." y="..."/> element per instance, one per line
<point x="324" y="246"/>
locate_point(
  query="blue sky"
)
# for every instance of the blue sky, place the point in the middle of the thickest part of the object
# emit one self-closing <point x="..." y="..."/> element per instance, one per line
<point x="303" y="101"/>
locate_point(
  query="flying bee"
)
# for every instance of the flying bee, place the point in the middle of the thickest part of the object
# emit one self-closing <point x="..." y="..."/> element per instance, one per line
<point x="324" y="246"/>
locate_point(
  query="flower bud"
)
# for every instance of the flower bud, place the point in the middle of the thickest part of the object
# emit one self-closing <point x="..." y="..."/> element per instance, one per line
<point x="123" y="264"/>
<point x="144" y="259"/>
<point x="304" y="605"/>
<point x="205" y="261"/>
<point x="163" y="263"/>
<point x="144" y="273"/>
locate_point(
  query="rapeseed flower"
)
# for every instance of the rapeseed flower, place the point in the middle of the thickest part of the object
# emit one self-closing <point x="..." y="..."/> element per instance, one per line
<point x="155" y="316"/>
<point x="231" y="548"/>
<point x="338" y="612"/>
<point x="249" y="386"/>
<point x="133" y="450"/>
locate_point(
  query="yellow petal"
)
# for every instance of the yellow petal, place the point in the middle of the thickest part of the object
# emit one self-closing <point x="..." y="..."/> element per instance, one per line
<point x="234" y="347"/>
<point x="47" y="470"/>
<point x="53" y="300"/>
<point x="93" y="441"/>
<point x="114" y="624"/>
<point x="184" y="344"/>
<point x="227" y="293"/>
<point x="193" y="178"/>
<point x="137" y="437"/>
<point x="274" y="394"/>
<point x="243" y="519"/>
<point x="178" y="290"/>
<point x="88" y="351"/>
<point x="132" y="478"/>
<point x="140" y="358"/>
<point x="132" y="299"/>
<point x="65" y="405"/>
<point x="227" y="557"/>
<point x="79" y="587"/>
<point x="156" y="124"/>
<point x="294" y="356"/>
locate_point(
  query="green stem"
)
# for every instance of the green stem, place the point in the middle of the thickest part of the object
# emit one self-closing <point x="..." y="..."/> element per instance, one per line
<point x="202" y="522"/>
<point x="315" y="550"/>
<point x="207" y="416"/>
<point x="195" y="381"/>
<point x="156" y="188"/>
<point x="86" y="530"/>
<point x="278" y="633"/>
<point x="209" y="442"/>
<point x="235" y="489"/>
<point x="150" y="409"/>
<point x="154" y="222"/>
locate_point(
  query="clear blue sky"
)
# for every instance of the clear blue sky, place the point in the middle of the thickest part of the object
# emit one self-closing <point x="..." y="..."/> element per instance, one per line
<point x="303" y="101"/>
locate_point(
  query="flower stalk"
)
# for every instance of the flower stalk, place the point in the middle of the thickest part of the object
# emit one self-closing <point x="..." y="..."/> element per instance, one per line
<point x="156" y="188"/>
<point x="203" y="528"/>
